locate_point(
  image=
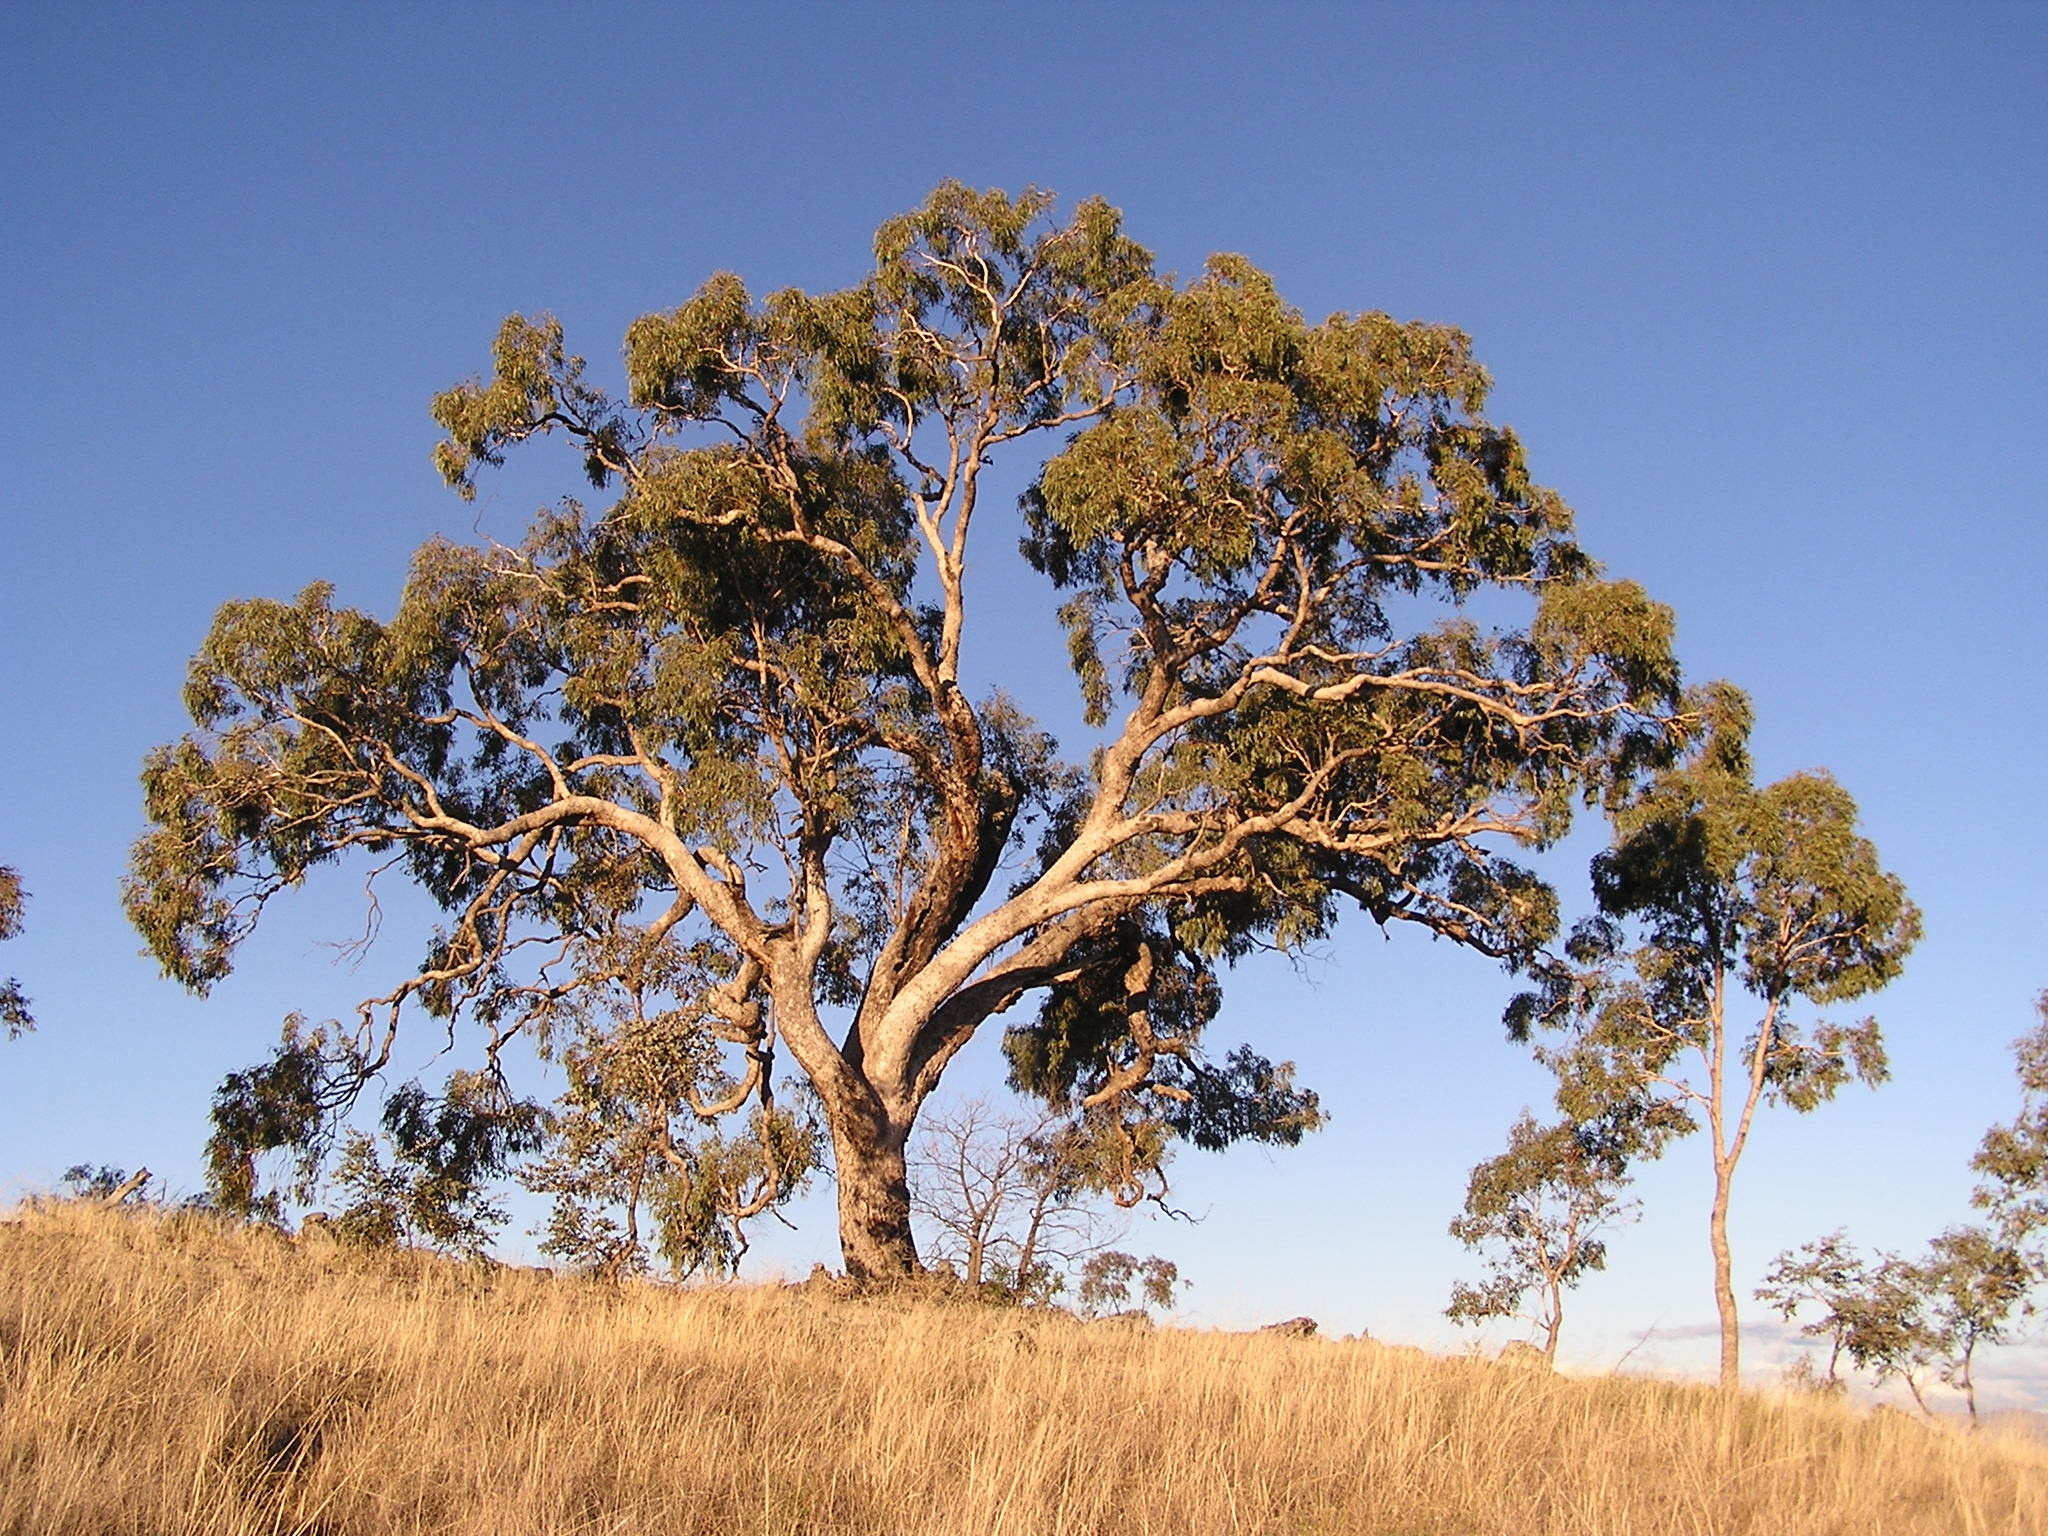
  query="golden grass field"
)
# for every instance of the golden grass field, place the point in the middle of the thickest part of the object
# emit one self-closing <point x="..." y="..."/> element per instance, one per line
<point x="167" y="1373"/>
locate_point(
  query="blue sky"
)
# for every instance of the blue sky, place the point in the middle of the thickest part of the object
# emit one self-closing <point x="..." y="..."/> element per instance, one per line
<point x="1760" y="287"/>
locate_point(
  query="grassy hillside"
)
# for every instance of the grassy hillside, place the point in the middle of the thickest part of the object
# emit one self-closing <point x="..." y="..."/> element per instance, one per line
<point x="163" y="1373"/>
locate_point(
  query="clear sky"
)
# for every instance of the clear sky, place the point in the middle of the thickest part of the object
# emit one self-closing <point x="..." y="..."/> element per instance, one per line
<point x="1761" y="288"/>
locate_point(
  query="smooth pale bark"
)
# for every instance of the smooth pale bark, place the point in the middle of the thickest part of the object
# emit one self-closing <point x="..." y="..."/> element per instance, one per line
<point x="1724" y="1277"/>
<point x="874" y="1195"/>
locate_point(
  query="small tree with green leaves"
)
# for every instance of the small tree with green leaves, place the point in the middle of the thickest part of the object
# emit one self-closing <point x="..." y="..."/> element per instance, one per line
<point x="1723" y="908"/>
<point x="1888" y="1332"/>
<point x="1870" y="1311"/>
<point x="1976" y="1287"/>
<point x="1536" y="1212"/>
<point x="1112" y="1282"/>
<point x="1904" y="1319"/>
<point x="637" y="1165"/>
<point x="1975" y="1283"/>
<point x="1827" y="1276"/>
<point x="15" y="1017"/>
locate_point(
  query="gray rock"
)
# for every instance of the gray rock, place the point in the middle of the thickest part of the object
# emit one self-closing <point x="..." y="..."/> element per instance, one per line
<point x="1293" y="1328"/>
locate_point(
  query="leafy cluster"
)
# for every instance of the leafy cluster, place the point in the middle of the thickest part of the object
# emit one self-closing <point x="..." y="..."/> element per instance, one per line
<point x="15" y="1017"/>
<point x="1716" y="895"/>
<point x="2012" y="1162"/>
<point x="1727" y="886"/>
<point x="627" y="1148"/>
<point x="1903" y="1319"/>
<point x="433" y="1189"/>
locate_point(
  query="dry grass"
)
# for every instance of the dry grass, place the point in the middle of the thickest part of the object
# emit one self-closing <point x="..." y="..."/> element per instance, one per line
<point x="167" y="1374"/>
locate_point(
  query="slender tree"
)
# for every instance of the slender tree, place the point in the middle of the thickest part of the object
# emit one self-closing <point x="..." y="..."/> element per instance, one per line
<point x="712" y="757"/>
<point x="427" y="1181"/>
<point x="1106" y="1281"/>
<point x="1723" y="908"/>
<point x="1537" y="1211"/>
<point x="1975" y="1284"/>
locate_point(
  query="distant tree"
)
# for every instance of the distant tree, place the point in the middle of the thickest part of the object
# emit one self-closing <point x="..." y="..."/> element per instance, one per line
<point x="1536" y="1212"/>
<point x="1889" y="1333"/>
<point x="1826" y="1275"/>
<point x="1868" y="1310"/>
<point x="289" y="1105"/>
<point x="1106" y="1281"/>
<point x="1018" y="1202"/>
<point x="1976" y="1288"/>
<point x="15" y="1017"/>
<point x="104" y="1182"/>
<point x="1975" y="1284"/>
<point x="718" y="743"/>
<point x="1717" y="895"/>
<point x="1903" y="1319"/>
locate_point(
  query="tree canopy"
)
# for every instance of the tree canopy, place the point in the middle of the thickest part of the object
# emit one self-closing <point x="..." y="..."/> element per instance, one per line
<point x="701" y="785"/>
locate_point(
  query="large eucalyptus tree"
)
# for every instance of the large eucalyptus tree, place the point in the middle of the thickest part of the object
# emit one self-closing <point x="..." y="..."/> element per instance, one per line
<point x="703" y="783"/>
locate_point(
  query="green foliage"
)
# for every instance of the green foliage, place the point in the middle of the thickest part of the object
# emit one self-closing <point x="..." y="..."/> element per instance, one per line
<point x="1899" y="1318"/>
<point x="1107" y="1278"/>
<point x="1120" y="1047"/>
<point x="1871" y="1311"/>
<point x="433" y="1191"/>
<point x="1728" y="890"/>
<point x="84" y="1181"/>
<point x="1975" y="1284"/>
<point x="1769" y="890"/>
<point x="287" y="1104"/>
<point x="633" y="1138"/>
<point x="15" y="1017"/>
<point x="1536" y="1211"/>
<point x="1977" y="1291"/>
<point x="1715" y="891"/>
<point x="2012" y="1162"/>
<point x="706" y="754"/>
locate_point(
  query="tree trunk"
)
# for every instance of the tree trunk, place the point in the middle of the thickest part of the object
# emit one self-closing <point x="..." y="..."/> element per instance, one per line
<point x="875" y="1242"/>
<point x="1724" y="1282"/>
<point x="1552" y="1320"/>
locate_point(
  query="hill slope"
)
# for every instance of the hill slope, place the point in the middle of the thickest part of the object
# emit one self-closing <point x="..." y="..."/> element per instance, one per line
<point x="166" y="1373"/>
